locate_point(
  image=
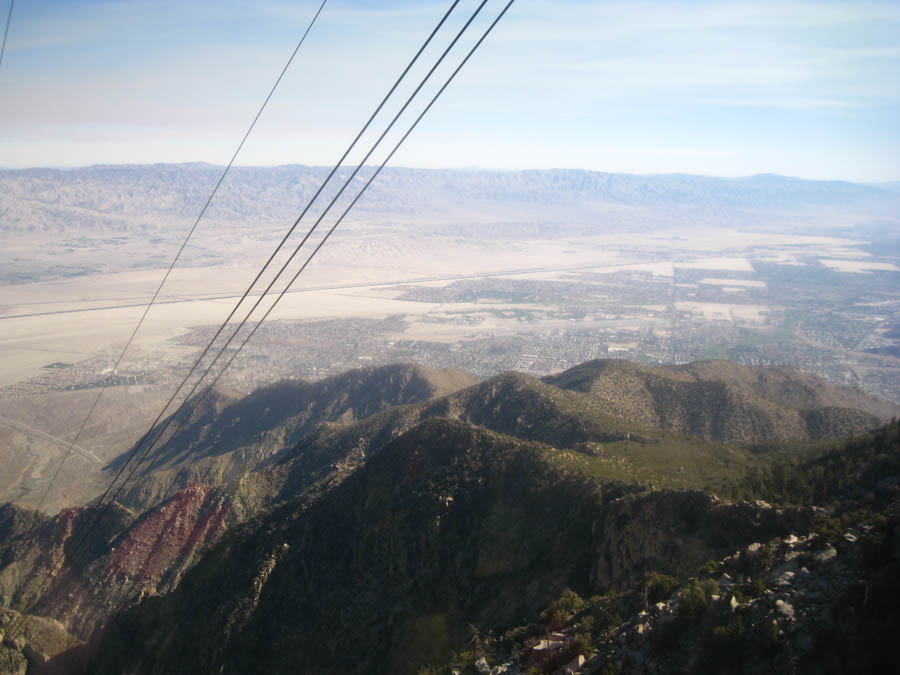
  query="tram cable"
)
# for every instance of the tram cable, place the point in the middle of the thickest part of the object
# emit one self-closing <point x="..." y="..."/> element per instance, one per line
<point x="100" y="508"/>
<point x="175" y="260"/>
<point x="312" y="229"/>
<point x="324" y="239"/>
<point x="6" y="30"/>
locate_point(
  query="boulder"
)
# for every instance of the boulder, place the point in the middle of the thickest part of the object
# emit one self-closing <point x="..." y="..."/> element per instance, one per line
<point x="783" y="575"/>
<point x="574" y="665"/>
<point x="827" y="554"/>
<point x="785" y="609"/>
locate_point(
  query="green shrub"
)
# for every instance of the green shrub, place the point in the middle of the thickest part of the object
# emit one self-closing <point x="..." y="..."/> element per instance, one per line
<point x="729" y="635"/>
<point x="694" y="598"/>
<point x="728" y="644"/>
<point x="558" y="612"/>
<point x="581" y="644"/>
<point x="707" y="568"/>
<point x="606" y="611"/>
<point x="755" y="588"/>
<point x="555" y="619"/>
<point x="658" y="587"/>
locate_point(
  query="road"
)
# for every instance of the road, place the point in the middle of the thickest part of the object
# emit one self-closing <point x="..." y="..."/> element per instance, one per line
<point x="311" y="289"/>
<point x="59" y="442"/>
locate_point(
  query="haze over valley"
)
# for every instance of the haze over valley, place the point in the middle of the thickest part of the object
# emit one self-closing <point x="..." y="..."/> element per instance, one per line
<point x="480" y="271"/>
<point x="637" y="416"/>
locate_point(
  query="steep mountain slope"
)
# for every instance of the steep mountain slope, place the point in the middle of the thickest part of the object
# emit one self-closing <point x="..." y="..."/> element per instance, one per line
<point x="725" y="401"/>
<point x="221" y="468"/>
<point x="452" y="527"/>
<point x="822" y="599"/>
<point x="226" y="437"/>
<point x="557" y="465"/>
<point x="448" y="525"/>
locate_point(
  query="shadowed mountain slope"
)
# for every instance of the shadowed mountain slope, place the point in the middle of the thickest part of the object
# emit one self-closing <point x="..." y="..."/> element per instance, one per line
<point x="448" y="525"/>
<point x="546" y="464"/>
<point x="243" y="433"/>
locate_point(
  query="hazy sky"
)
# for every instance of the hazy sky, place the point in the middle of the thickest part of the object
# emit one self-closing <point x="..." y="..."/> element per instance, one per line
<point x="809" y="89"/>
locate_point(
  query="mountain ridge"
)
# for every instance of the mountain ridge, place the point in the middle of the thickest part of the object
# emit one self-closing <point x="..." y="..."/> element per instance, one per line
<point x="109" y="197"/>
<point x="518" y="455"/>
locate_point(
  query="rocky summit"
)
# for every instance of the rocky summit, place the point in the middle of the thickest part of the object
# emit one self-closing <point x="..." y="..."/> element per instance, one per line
<point x="612" y="518"/>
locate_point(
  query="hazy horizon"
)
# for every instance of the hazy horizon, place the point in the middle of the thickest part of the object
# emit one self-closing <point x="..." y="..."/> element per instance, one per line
<point x="801" y="89"/>
<point x="496" y="169"/>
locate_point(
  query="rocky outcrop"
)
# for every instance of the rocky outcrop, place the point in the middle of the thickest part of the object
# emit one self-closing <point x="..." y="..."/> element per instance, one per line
<point x="58" y="570"/>
<point x="815" y="608"/>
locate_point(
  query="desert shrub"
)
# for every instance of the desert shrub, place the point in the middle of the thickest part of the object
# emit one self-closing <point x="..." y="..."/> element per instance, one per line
<point x="581" y="644"/>
<point x="606" y="610"/>
<point x="755" y="588"/>
<point x="728" y="644"/>
<point x="558" y="612"/>
<point x="555" y="619"/>
<point x="694" y="598"/>
<point x="729" y="636"/>
<point x="707" y="568"/>
<point x="658" y="587"/>
<point x="758" y="562"/>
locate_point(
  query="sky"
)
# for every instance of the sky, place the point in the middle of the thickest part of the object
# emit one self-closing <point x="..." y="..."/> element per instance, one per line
<point x="808" y="89"/>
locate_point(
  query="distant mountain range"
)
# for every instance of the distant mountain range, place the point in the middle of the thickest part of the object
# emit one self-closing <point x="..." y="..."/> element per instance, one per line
<point x="127" y="198"/>
<point x="367" y="522"/>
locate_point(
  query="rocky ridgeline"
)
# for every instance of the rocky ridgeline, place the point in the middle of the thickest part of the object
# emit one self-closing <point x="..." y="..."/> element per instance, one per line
<point x="397" y="514"/>
<point x="110" y="198"/>
<point x="820" y="602"/>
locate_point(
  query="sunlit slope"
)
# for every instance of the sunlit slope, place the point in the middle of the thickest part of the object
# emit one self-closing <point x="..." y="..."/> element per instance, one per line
<point x="724" y="401"/>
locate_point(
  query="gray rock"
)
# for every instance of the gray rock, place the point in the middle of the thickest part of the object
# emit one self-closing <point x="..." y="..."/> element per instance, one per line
<point x="783" y="575"/>
<point x="828" y="554"/>
<point x="481" y="665"/>
<point x="785" y="609"/>
<point x="12" y="662"/>
<point x="573" y="665"/>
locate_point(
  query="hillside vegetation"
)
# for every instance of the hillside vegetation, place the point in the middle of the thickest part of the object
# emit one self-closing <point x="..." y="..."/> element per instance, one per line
<point x="398" y="507"/>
